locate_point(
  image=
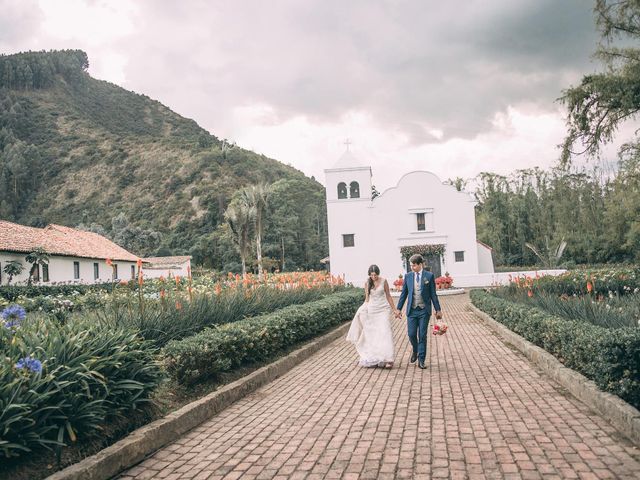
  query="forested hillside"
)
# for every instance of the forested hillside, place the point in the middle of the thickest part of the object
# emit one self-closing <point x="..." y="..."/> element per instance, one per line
<point x="82" y="152"/>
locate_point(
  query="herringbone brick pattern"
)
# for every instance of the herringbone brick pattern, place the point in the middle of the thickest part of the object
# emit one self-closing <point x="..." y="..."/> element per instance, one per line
<point x="480" y="410"/>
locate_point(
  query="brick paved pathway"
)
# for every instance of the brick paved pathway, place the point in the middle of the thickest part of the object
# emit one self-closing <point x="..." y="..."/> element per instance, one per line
<point x="480" y="410"/>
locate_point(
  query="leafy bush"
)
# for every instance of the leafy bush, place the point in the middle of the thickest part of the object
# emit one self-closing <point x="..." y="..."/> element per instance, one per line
<point x="611" y="358"/>
<point x="222" y="348"/>
<point x="603" y="281"/>
<point x="69" y="303"/>
<point x="173" y="319"/>
<point x="12" y="292"/>
<point x="607" y="297"/>
<point x="609" y="312"/>
<point x="62" y="383"/>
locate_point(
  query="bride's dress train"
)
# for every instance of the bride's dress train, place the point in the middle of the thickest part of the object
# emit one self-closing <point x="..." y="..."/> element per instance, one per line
<point x="370" y="330"/>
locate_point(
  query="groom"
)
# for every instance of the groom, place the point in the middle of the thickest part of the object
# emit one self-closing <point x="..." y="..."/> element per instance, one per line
<point x="419" y="288"/>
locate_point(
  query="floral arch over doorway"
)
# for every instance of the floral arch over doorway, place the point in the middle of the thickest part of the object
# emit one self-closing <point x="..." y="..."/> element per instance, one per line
<point x="432" y="254"/>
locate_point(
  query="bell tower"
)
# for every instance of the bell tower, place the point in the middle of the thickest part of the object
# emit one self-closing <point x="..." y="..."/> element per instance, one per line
<point x="348" y="180"/>
<point x="348" y="187"/>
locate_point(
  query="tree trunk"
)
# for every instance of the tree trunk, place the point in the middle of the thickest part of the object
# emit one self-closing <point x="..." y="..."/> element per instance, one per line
<point x="259" y="244"/>
<point x="243" y="253"/>
<point x="282" y="263"/>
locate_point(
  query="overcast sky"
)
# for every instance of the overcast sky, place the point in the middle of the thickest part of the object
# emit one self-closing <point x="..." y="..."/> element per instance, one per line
<point x="455" y="87"/>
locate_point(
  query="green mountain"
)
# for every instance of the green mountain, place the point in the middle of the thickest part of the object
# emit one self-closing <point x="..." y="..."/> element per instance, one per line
<point x="83" y="152"/>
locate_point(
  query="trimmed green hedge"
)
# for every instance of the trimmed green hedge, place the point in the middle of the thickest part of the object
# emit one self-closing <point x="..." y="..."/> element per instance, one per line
<point x="79" y="376"/>
<point x="611" y="358"/>
<point x="223" y="348"/>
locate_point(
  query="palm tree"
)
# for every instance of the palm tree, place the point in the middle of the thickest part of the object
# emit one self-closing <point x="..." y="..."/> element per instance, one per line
<point x="13" y="268"/>
<point x="240" y="216"/>
<point x="257" y="197"/>
<point x="458" y="183"/>
<point x="37" y="258"/>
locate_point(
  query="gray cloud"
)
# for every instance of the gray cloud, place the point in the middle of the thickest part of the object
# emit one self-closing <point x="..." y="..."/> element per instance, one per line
<point x="19" y="23"/>
<point x="415" y="66"/>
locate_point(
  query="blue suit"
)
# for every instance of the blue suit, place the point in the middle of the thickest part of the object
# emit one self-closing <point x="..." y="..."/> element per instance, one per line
<point x="418" y="319"/>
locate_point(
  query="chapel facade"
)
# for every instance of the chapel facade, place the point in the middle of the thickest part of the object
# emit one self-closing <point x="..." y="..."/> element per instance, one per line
<point x="419" y="215"/>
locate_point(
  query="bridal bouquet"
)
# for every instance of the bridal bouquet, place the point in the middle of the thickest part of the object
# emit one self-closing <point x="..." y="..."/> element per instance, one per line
<point x="440" y="328"/>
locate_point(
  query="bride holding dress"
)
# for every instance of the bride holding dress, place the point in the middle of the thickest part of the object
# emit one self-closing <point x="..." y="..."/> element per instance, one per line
<point x="370" y="329"/>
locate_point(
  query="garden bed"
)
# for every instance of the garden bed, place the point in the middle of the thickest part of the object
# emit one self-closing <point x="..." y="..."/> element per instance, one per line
<point x="291" y="326"/>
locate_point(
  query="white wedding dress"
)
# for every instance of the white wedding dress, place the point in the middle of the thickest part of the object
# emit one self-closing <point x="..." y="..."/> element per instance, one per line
<point x="370" y="330"/>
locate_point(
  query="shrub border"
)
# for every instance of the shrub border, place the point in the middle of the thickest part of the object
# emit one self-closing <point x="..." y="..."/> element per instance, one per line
<point x="624" y="417"/>
<point x="137" y="445"/>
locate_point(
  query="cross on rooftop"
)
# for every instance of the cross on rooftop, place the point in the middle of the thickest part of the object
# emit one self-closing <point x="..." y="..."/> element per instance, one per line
<point x="347" y="142"/>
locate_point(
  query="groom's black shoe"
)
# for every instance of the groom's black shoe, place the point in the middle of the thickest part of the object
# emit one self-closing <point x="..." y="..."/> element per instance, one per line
<point x="414" y="357"/>
<point x="421" y="364"/>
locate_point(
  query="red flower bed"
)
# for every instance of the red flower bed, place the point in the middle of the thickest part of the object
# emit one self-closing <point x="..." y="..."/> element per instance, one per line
<point x="444" y="282"/>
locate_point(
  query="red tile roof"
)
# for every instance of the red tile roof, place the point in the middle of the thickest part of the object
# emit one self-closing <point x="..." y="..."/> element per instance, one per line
<point x="157" y="261"/>
<point x="60" y="240"/>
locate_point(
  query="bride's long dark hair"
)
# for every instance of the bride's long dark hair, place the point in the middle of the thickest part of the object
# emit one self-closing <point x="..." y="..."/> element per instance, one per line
<point x="372" y="269"/>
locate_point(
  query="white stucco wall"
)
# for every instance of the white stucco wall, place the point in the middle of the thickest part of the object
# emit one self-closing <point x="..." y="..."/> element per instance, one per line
<point x="496" y="279"/>
<point x="61" y="269"/>
<point x="485" y="259"/>
<point x="388" y="222"/>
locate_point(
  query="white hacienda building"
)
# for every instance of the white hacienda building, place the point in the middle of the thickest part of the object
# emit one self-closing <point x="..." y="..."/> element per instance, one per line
<point x="74" y="256"/>
<point x="419" y="214"/>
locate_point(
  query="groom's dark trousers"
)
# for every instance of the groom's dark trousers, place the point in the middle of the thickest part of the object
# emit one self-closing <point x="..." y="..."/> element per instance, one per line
<point x="418" y="318"/>
<point x="417" y="323"/>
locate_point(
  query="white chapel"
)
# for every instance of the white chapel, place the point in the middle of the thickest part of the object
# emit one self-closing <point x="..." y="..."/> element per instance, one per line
<point x="419" y="215"/>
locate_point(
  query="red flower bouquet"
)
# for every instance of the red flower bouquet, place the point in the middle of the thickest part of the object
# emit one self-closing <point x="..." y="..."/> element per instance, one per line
<point x="440" y="329"/>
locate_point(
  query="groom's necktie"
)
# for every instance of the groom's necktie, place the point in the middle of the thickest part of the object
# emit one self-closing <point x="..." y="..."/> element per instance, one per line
<point x="418" y="279"/>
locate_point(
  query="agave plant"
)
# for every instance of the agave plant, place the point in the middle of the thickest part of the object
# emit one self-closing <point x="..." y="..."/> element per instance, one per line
<point x="550" y="257"/>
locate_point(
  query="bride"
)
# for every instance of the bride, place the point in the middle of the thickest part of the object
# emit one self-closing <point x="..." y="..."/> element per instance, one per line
<point x="370" y="329"/>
